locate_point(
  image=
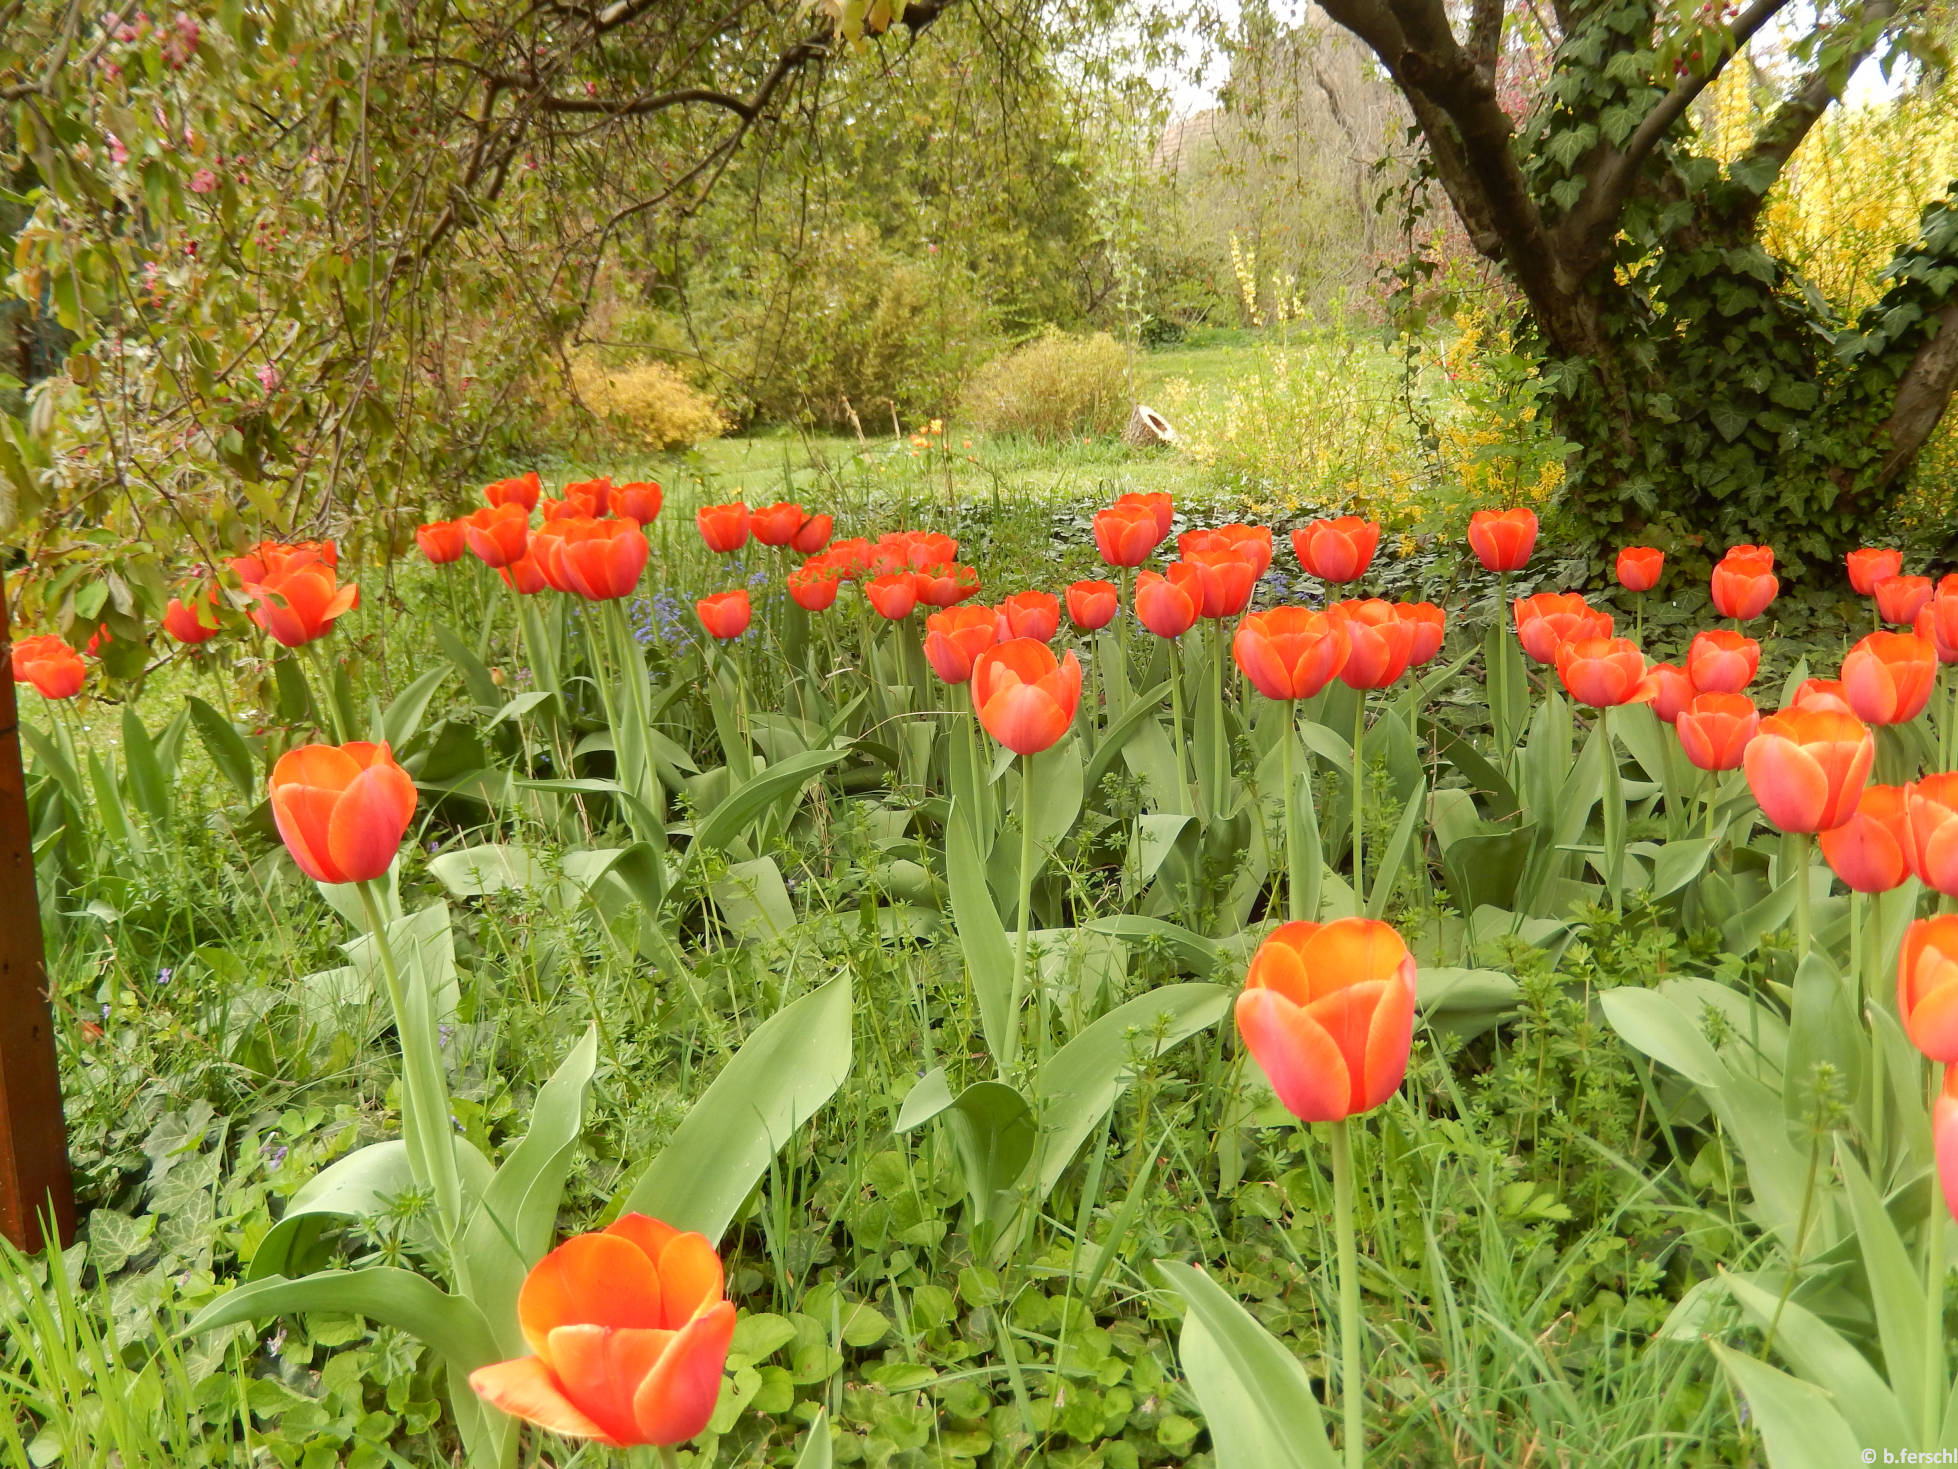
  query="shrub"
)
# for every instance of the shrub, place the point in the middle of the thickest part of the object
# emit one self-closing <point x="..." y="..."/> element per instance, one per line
<point x="1052" y="387"/>
<point x="652" y="401"/>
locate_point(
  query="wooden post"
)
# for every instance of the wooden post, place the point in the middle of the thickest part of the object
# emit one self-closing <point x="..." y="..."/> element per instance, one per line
<point x="34" y="1178"/>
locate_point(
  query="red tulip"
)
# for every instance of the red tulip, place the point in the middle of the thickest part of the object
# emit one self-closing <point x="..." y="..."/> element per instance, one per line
<point x="1092" y="605"/>
<point x="187" y="624"/>
<point x="1931" y="807"/>
<point x="955" y="637"/>
<point x="778" y="524"/>
<point x="1290" y="652"/>
<point x="1604" y="672"/>
<point x="497" y="534"/>
<point x="1871" y="565"/>
<point x="1722" y="661"/>
<point x="1927" y="986"/>
<point x="1545" y="622"/>
<point x="725" y="615"/>
<point x="597" y="492"/>
<point x="1379" y="643"/>
<point x="1337" y="550"/>
<point x="630" y="1328"/>
<point x="638" y="502"/>
<point x="341" y="809"/>
<point x="1714" y="730"/>
<point x="723" y="527"/>
<point x="1158" y="505"/>
<point x="1901" y="598"/>
<point x="525" y="578"/>
<point x="1672" y="690"/>
<point x="1327" y="1012"/>
<point x="1503" y="539"/>
<point x="1639" y="568"/>
<point x="602" y="559"/>
<point x="1126" y="535"/>
<point x="946" y="584"/>
<point x="297" y="606"/>
<point x="1821" y="693"/>
<point x="268" y="557"/>
<point x="893" y="594"/>
<point x="441" y="541"/>
<point x="1252" y="542"/>
<point x="1430" y="625"/>
<point x="922" y="550"/>
<point x="1024" y="697"/>
<point x="1888" y="677"/>
<point x="522" y="490"/>
<point x="852" y="557"/>
<point x="580" y="502"/>
<point x="1937" y="620"/>
<point x="1029" y="615"/>
<point x="814" y="585"/>
<point x="814" y="535"/>
<point x="1744" y="582"/>
<point x="1168" y="603"/>
<point x="1807" y="768"/>
<point x="1226" y="578"/>
<point x="1871" y="851"/>
<point x="54" y="669"/>
<point x="546" y="555"/>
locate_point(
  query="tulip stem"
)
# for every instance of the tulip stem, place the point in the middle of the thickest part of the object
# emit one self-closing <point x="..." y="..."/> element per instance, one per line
<point x="1294" y="858"/>
<point x="1176" y="713"/>
<point x="1359" y="801"/>
<point x="669" y="1457"/>
<point x="1220" y="760"/>
<point x="1950" y="729"/>
<point x="1614" y="815"/>
<point x="1934" y="1276"/>
<point x="1123" y="613"/>
<point x="1352" y="1404"/>
<point x="1499" y="714"/>
<point x="1804" y="924"/>
<point x="1026" y="905"/>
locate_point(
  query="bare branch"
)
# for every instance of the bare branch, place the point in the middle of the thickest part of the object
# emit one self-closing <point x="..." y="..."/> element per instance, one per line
<point x="1923" y="394"/>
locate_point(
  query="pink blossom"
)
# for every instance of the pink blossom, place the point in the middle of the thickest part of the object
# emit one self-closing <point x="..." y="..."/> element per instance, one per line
<point x="116" y="149"/>
<point x="203" y="181"/>
<point x="268" y="378"/>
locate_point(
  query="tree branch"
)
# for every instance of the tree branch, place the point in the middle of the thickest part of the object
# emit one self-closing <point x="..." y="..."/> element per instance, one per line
<point x="1923" y="393"/>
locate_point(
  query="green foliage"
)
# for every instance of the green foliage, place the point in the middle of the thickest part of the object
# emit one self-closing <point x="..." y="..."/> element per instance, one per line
<point x="1053" y="387"/>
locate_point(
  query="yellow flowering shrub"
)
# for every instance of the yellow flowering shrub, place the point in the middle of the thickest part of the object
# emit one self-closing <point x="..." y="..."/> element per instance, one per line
<point x="650" y="401"/>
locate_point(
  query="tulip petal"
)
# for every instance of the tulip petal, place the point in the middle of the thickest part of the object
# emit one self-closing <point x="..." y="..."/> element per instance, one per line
<point x="368" y="821"/>
<point x="1933" y="1023"/>
<point x="590" y="1279"/>
<point x="690" y="1279"/>
<point x="1296" y="1055"/>
<point x="524" y="1388"/>
<point x="650" y="1234"/>
<point x="1787" y="781"/>
<point x="677" y="1398"/>
<point x="1023" y="718"/>
<point x="1390" y="1036"/>
<point x="304" y="817"/>
<point x="1279" y="964"/>
<point x="1341" y="954"/>
<point x="600" y="1368"/>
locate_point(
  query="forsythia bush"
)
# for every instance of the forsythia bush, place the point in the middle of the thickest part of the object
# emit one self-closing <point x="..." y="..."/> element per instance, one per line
<point x="652" y="400"/>
<point x="1052" y="387"/>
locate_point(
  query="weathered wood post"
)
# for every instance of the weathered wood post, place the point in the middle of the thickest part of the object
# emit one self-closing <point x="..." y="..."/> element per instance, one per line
<point x="34" y="1178"/>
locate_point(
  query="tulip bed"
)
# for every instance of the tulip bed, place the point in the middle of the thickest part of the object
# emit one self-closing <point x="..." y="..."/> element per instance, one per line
<point x="717" y="993"/>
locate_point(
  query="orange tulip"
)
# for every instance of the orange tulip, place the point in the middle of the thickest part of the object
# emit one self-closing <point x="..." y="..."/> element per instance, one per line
<point x="1821" y="693"/>
<point x="1545" y="622"/>
<point x="602" y="559"/>
<point x="638" y="502"/>
<point x="1024" y="696"/>
<point x="1944" y="1139"/>
<point x="1029" y="615"/>
<point x="522" y="490"/>
<point x="725" y="615"/>
<point x="1169" y="602"/>
<point x="1430" y="625"/>
<point x="497" y="534"/>
<point x="580" y="502"/>
<point x="1672" y="690"/>
<point x="946" y="584"/>
<point x="1290" y="652"/>
<point x="1901" y="598"/>
<point x="1888" y="677"/>
<point x="893" y="594"/>
<point x="1225" y="577"/>
<point x="1722" y="661"/>
<point x="1604" y="672"/>
<point x="955" y="637"/>
<point x="1328" y="1014"/>
<point x="1871" y="851"/>
<point x="922" y="550"/>
<point x="852" y="557"/>
<point x="1639" y="568"/>
<point x="598" y="491"/>
<point x="723" y="527"/>
<point x="1158" y="504"/>
<point x="268" y="557"/>
<point x="54" y="669"/>
<point x="814" y="585"/>
<point x="1503" y="539"/>
<point x="441" y="541"/>
<point x="1744" y="582"/>
<point x="1927" y="986"/>
<point x="630" y="1328"/>
<point x="1931" y="807"/>
<point x="1379" y="642"/>
<point x="187" y="624"/>
<point x="1092" y="605"/>
<point x="1714" y="730"/>
<point x="777" y="524"/>
<point x="297" y="606"/>
<point x="1807" y="768"/>
<point x="525" y="578"/>
<point x="1252" y="542"/>
<point x="1125" y="535"/>
<point x="814" y="535"/>
<point x="341" y="809"/>
<point x="1871" y="565"/>
<point x="546" y="555"/>
<point x="1937" y="619"/>
<point x="1338" y="550"/>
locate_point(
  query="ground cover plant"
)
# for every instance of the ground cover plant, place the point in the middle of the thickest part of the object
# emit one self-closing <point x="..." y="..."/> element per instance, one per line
<point x="654" y="978"/>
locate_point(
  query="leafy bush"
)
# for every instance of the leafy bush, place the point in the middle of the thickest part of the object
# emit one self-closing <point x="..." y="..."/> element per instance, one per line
<point x="1052" y="387"/>
<point x="651" y="400"/>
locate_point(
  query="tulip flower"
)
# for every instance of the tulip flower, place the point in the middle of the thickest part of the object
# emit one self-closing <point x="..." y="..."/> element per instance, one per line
<point x="526" y="577"/>
<point x="1226" y="578"/>
<point x="601" y="559"/>
<point x="1721" y="661"/>
<point x="1888" y="677"/>
<point x="547" y="554"/>
<point x="1672" y="690"/>
<point x="1158" y="504"/>
<point x="955" y="637"/>
<point x="814" y="535"/>
<point x="1092" y="605"/>
<point x="497" y="534"/>
<point x="1503" y="539"/>
<point x="725" y="615"/>
<point x="778" y="524"/>
<point x="1871" y="565"/>
<point x="1822" y="693"/>
<point x="579" y="503"/>
<point x="1380" y="642"/>
<point x="1871" y="851"/>
<point x="724" y="528"/>
<point x="638" y="502"/>
<point x="922" y="550"/>
<point x="1029" y="615"/>
<point x="522" y="490"/>
<point x="54" y="669"/>
<point x="1927" y="986"/>
<point x="1126" y="535"/>
<point x="1251" y="542"/>
<point x="1944" y="1139"/>
<point x="341" y="810"/>
<point x="1290" y="652"/>
<point x="946" y="584"/>
<point x="1931" y="807"/>
<point x="1545" y="622"/>
<point x="1337" y="550"/>
<point x="1934" y="622"/>
<point x="1604" y="672"/>
<point x="893" y="594"/>
<point x="1807" y="767"/>
<point x="1714" y="730"/>
<point x="1169" y="602"/>
<point x="1024" y="697"/>
<point x="441" y="541"/>
<point x="630" y="1329"/>
<point x="1900" y="598"/>
<point x="597" y="491"/>
<point x="1430" y="625"/>
<point x="1639" y="568"/>
<point x="300" y="605"/>
<point x="1744" y="582"/>
<point x="852" y="557"/>
<point x="186" y="623"/>
<point x="813" y="586"/>
<point x="268" y="557"/>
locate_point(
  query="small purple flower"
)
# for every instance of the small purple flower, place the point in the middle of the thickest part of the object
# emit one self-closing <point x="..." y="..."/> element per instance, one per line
<point x="443" y="1032"/>
<point x="163" y="974"/>
<point x="274" y="1157"/>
